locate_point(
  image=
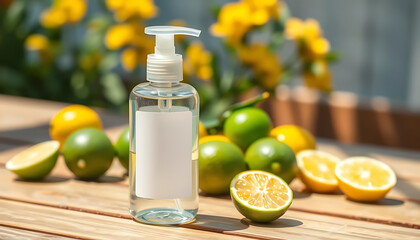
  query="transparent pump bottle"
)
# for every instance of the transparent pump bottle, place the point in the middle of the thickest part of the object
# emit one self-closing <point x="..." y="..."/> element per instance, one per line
<point x="163" y="171"/>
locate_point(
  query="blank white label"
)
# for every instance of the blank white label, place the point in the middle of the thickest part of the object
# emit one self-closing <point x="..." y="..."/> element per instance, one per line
<point x="163" y="154"/>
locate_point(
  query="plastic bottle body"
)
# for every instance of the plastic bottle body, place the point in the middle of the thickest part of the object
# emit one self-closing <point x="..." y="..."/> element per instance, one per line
<point x="165" y="98"/>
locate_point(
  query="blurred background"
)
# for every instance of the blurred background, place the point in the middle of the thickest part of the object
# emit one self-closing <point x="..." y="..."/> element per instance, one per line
<point x="358" y="58"/>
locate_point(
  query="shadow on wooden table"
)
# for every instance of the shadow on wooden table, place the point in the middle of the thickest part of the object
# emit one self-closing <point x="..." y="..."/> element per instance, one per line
<point x="104" y="179"/>
<point x="382" y="202"/>
<point x="279" y="223"/>
<point x="217" y="223"/>
<point x="48" y="179"/>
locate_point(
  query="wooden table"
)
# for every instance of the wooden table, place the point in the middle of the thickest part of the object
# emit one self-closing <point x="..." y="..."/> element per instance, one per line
<point x="62" y="207"/>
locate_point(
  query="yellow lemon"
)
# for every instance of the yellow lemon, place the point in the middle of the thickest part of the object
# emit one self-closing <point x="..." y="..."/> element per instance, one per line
<point x="295" y="137"/>
<point x="212" y="138"/>
<point x="72" y="118"/>
<point x="316" y="170"/>
<point x="201" y="130"/>
<point x="364" y="179"/>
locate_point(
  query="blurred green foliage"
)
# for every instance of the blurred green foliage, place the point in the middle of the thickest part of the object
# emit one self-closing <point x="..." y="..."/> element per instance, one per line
<point x="94" y="52"/>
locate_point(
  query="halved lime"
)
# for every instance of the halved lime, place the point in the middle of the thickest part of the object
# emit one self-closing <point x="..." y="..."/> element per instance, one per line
<point x="260" y="196"/>
<point x="35" y="162"/>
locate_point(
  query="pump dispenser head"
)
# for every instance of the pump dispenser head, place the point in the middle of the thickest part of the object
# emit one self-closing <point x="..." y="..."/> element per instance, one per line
<point x="165" y="65"/>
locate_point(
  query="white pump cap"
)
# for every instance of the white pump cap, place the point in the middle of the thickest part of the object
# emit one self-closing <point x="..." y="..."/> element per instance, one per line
<point x="164" y="65"/>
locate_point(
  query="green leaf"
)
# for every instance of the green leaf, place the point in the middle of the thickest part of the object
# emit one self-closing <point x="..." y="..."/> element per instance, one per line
<point x="332" y="57"/>
<point x="215" y="10"/>
<point x="13" y="15"/>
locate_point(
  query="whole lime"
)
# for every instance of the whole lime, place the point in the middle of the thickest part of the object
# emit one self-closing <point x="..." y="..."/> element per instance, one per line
<point x="270" y="155"/>
<point x="218" y="163"/>
<point x="247" y="125"/>
<point x="88" y="153"/>
<point x="122" y="147"/>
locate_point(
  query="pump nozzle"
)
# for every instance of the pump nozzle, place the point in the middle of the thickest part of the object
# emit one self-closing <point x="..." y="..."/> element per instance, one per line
<point x="165" y="37"/>
<point x="164" y="64"/>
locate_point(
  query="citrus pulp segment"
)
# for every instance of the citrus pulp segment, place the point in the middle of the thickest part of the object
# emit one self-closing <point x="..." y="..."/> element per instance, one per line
<point x="316" y="170"/>
<point x="260" y="196"/>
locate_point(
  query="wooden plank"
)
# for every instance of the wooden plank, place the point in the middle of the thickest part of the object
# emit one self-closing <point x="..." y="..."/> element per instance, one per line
<point x="89" y="226"/>
<point x="217" y="215"/>
<point x="7" y="233"/>
<point x="28" y="120"/>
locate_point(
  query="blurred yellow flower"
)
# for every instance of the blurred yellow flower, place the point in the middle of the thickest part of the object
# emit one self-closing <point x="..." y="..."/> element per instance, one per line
<point x="250" y="55"/>
<point x="297" y="29"/>
<point x="236" y="19"/>
<point x="270" y="8"/>
<point x="126" y="9"/>
<point x="308" y="35"/>
<point x="132" y="35"/>
<point x="318" y="76"/>
<point x="319" y="46"/>
<point x="129" y="59"/>
<point x="198" y="61"/>
<point x="268" y="72"/>
<point x="52" y="18"/>
<point x="119" y="35"/>
<point x="62" y="12"/>
<point x="90" y="61"/>
<point x="233" y="22"/>
<point x="266" y="66"/>
<point x="37" y="42"/>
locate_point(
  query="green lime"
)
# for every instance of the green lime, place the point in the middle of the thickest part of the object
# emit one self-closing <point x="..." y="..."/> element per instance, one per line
<point x="270" y="155"/>
<point x="218" y="163"/>
<point x="122" y="147"/>
<point x="88" y="153"/>
<point x="260" y="196"/>
<point x="35" y="162"/>
<point x="247" y="125"/>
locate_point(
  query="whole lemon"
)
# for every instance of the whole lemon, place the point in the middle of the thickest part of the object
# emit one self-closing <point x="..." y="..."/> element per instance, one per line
<point x="71" y="119"/>
<point x="211" y="138"/>
<point x="247" y="125"/>
<point x="202" y="132"/>
<point x="297" y="138"/>
<point x="218" y="163"/>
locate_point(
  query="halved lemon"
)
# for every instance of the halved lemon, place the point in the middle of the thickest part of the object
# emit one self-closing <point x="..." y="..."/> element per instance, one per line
<point x="316" y="170"/>
<point x="35" y="162"/>
<point x="260" y="196"/>
<point x="211" y="138"/>
<point x="364" y="179"/>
